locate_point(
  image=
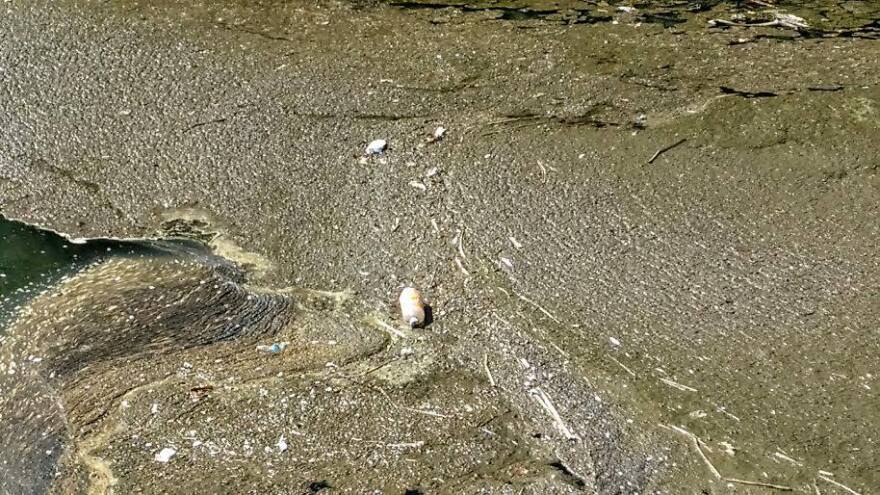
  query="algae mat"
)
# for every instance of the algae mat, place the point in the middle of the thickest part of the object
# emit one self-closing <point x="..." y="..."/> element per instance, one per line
<point x="703" y="322"/>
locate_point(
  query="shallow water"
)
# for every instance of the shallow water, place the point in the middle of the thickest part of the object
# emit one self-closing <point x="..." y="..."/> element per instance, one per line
<point x="33" y="259"/>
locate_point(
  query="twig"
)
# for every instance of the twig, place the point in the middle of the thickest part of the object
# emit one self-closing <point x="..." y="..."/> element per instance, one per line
<point x="536" y="305"/>
<point x="780" y="19"/>
<point x="787" y="458"/>
<point x="782" y="488"/>
<point x="377" y="368"/>
<point x="412" y="409"/>
<point x="631" y="372"/>
<point x="665" y="149"/>
<point x="683" y="388"/>
<point x="547" y="404"/>
<point x="460" y="248"/>
<point x="390" y="329"/>
<point x="696" y="442"/>
<point x="426" y="412"/>
<point x="406" y="445"/>
<point x="839" y="485"/>
<point x="486" y="367"/>
<point x="461" y="267"/>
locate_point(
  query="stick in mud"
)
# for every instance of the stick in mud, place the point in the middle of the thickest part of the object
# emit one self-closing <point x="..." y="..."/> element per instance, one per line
<point x="547" y="404"/>
<point x="839" y="485"/>
<point x="536" y="305"/>
<point x="390" y="329"/>
<point x="461" y="267"/>
<point x="683" y="388"/>
<point x="486" y="367"/>
<point x="665" y="149"/>
<point x="696" y="442"/>
<point x="782" y="488"/>
<point x="631" y="372"/>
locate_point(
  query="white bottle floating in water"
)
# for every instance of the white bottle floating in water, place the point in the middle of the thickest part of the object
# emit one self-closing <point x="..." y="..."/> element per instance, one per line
<point x="377" y="147"/>
<point x="412" y="308"/>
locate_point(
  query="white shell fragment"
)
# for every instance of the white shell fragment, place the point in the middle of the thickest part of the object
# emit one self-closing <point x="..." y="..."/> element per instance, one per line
<point x="412" y="308"/>
<point x="165" y="454"/>
<point x="377" y="147"/>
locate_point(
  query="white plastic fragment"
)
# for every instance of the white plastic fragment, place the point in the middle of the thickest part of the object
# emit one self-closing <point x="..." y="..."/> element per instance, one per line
<point x="515" y="242"/>
<point x="377" y="147"/>
<point x="614" y="342"/>
<point x="282" y="444"/>
<point x="274" y="348"/>
<point x="438" y="133"/>
<point x="165" y="455"/>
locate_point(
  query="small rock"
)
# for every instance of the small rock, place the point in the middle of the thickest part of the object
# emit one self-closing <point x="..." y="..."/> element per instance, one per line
<point x="165" y="454"/>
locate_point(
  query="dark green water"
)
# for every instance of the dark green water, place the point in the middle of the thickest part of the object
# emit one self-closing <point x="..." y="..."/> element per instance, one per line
<point x="33" y="259"/>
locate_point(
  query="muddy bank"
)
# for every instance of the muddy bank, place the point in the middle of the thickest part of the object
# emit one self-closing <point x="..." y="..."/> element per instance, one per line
<point x="728" y="289"/>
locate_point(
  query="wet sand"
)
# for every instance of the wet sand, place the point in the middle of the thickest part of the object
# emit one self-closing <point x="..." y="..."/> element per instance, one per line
<point x="717" y="306"/>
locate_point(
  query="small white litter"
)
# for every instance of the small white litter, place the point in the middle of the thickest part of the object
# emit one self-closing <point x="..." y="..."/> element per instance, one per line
<point x="377" y="147"/>
<point x="165" y="454"/>
<point x="282" y="444"/>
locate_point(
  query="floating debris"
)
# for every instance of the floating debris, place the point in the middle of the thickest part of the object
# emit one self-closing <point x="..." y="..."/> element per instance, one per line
<point x="274" y="348"/>
<point x="282" y="444"/>
<point x="377" y="147"/>
<point x="165" y="455"/>
<point x="437" y="135"/>
<point x="780" y="19"/>
<point x="412" y="308"/>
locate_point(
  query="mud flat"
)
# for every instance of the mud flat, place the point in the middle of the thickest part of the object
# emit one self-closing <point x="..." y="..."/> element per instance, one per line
<point x="703" y="322"/>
